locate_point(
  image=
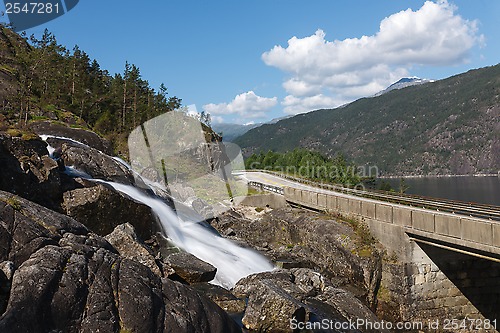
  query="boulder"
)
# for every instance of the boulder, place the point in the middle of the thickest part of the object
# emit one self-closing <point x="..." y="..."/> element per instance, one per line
<point x="302" y="239"/>
<point x="189" y="311"/>
<point x="271" y="307"/>
<point x="187" y="196"/>
<point x="71" y="280"/>
<point x="181" y="192"/>
<point x="222" y="297"/>
<point x="190" y="268"/>
<point x="28" y="171"/>
<point x="81" y="135"/>
<point x="95" y="163"/>
<point x="102" y="209"/>
<point x="125" y="241"/>
<point x="345" y="303"/>
<point x="6" y="271"/>
<point x="201" y="207"/>
<point x="277" y="298"/>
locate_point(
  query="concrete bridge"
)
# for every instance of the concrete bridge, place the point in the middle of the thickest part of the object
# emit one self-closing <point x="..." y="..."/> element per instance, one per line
<point x="449" y="252"/>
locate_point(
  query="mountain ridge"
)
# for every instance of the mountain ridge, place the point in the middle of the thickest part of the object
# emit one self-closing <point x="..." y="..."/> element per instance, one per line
<point x="450" y="126"/>
<point x="403" y="83"/>
<point x="232" y="131"/>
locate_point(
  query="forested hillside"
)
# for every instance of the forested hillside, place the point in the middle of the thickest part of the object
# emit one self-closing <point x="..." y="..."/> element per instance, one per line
<point x="450" y="126"/>
<point x="41" y="79"/>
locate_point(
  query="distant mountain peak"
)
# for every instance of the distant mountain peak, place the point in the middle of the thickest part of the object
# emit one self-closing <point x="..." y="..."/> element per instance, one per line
<point x="403" y="83"/>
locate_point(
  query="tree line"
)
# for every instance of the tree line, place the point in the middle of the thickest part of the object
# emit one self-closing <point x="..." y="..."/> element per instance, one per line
<point x="54" y="78"/>
<point x="307" y="164"/>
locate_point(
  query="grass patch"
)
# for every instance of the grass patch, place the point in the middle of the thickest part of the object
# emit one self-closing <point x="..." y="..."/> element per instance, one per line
<point x="124" y="330"/>
<point x="253" y="191"/>
<point x="39" y="118"/>
<point x="364" y="252"/>
<point x="14" y="132"/>
<point x="362" y="231"/>
<point x="26" y="136"/>
<point x="23" y="134"/>
<point x="14" y="203"/>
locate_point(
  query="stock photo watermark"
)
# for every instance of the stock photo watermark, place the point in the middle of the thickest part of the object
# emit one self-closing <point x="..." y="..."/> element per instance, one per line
<point x="432" y="325"/>
<point x="25" y="15"/>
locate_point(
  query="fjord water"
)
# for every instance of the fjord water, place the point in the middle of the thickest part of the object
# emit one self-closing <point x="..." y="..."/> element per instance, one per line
<point x="483" y="190"/>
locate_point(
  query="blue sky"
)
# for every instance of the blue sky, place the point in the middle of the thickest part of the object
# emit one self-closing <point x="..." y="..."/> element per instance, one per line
<point x="251" y="61"/>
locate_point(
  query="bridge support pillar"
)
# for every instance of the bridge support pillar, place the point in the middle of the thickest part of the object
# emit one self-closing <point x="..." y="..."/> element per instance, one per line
<point x="421" y="282"/>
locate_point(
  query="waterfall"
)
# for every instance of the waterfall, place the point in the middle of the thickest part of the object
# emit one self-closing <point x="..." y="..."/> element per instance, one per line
<point x="44" y="137"/>
<point x="232" y="261"/>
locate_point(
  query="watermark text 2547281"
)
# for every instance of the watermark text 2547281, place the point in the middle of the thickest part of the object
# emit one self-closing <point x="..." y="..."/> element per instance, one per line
<point x="31" y="8"/>
<point x="26" y="14"/>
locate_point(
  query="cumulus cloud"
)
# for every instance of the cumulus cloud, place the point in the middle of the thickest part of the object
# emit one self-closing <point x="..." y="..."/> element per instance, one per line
<point x="434" y="35"/>
<point x="294" y="105"/>
<point x="246" y="105"/>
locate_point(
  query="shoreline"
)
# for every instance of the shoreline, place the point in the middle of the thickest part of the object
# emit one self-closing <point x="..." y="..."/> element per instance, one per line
<point x="441" y="176"/>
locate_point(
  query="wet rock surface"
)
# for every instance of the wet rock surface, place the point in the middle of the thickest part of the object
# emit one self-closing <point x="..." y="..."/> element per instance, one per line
<point x="330" y="271"/>
<point x="68" y="279"/>
<point x="125" y="241"/>
<point x="81" y="135"/>
<point x="95" y="163"/>
<point x="29" y="172"/>
<point x="190" y="268"/>
<point x="295" y="238"/>
<point x="102" y="209"/>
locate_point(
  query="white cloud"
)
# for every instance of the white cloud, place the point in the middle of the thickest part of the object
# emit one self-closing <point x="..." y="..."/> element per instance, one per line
<point x="434" y="35"/>
<point x="295" y="105"/>
<point x="246" y="105"/>
<point x="192" y="111"/>
<point x="217" y="119"/>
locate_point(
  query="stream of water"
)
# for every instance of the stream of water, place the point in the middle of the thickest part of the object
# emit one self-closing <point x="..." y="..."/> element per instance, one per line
<point x="232" y="261"/>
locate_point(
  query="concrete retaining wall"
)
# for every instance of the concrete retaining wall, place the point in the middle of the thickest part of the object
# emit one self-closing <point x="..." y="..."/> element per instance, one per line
<point x="475" y="233"/>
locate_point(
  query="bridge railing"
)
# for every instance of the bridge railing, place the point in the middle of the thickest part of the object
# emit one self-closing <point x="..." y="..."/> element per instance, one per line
<point x="268" y="188"/>
<point x="455" y="207"/>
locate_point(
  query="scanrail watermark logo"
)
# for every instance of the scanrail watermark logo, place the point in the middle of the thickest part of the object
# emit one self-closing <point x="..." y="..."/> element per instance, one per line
<point x="176" y="153"/>
<point x="26" y="14"/>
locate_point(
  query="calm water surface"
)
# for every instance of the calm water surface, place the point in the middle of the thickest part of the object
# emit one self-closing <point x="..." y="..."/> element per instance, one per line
<point x="485" y="190"/>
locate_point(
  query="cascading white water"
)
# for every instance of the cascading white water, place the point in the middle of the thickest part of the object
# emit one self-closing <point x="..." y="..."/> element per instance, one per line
<point x="233" y="262"/>
<point x="44" y="137"/>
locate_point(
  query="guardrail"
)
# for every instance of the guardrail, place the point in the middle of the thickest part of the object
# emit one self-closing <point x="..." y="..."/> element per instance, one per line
<point x="489" y="212"/>
<point x="266" y="187"/>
